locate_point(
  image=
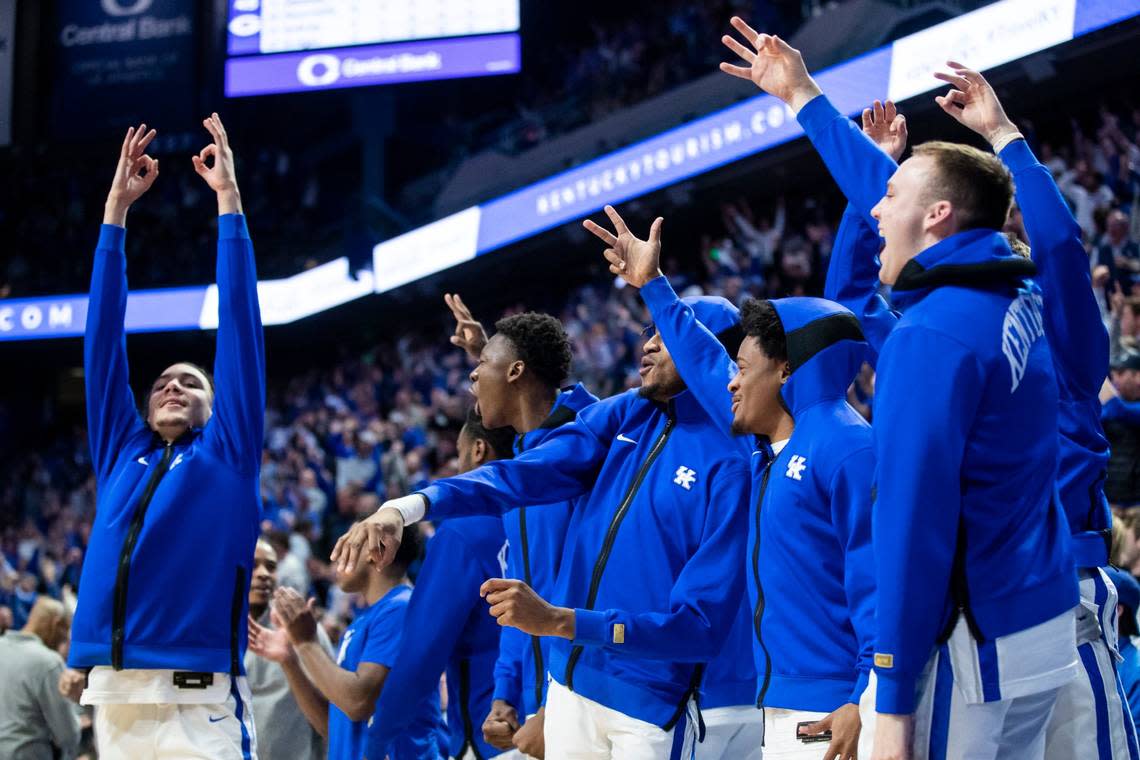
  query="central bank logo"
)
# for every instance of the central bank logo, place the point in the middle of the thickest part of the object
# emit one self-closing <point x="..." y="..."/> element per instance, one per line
<point x="318" y="70"/>
<point x="121" y="8"/>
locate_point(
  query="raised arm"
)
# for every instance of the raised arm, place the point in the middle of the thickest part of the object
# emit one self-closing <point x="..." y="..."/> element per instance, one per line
<point x="563" y="466"/>
<point x="703" y="601"/>
<point x="852" y="272"/>
<point x="237" y="427"/>
<point x="1076" y="333"/>
<point x="858" y="166"/>
<point x="111" y="413"/>
<point x="701" y="359"/>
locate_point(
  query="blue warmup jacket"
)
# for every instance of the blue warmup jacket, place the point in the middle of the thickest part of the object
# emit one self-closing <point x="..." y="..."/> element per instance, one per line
<point x="447" y="627"/>
<point x="652" y="563"/>
<point x="976" y="448"/>
<point x="809" y="535"/>
<point x="166" y="578"/>
<point x="1077" y="339"/>
<point x="536" y="536"/>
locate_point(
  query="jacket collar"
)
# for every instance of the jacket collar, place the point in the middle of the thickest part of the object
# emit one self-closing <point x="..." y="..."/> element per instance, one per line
<point x="976" y="259"/>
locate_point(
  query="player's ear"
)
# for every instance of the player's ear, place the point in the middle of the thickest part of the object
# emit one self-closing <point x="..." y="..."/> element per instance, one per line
<point x="515" y="371"/>
<point x="785" y="372"/>
<point x="479" y="452"/>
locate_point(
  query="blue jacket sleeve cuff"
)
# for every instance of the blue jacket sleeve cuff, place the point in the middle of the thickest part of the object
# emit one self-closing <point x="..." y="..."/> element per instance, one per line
<point x="590" y="628"/>
<point x="860" y="687"/>
<point x="507" y="689"/>
<point x="817" y="114"/>
<point x="658" y="293"/>
<point x="232" y="226"/>
<point x="434" y="495"/>
<point x="112" y="237"/>
<point x="1017" y="156"/>
<point x="895" y="694"/>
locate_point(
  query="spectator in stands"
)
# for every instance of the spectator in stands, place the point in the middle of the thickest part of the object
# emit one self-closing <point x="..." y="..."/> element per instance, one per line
<point x="5" y="618"/>
<point x="1124" y="324"/>
<point x="290" y="568"/>
<point x="23" y="599"/>
<point x="1086" y="191"/>
<point x="1126" y="541"/>
<point x="1120" y="415"/>
<point x="1120" y="254"/>
<point x="37" y="722"/>
<point x="280" y="694"/>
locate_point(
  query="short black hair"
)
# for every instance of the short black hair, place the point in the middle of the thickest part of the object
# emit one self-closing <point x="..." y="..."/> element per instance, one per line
<point x="760" y="321"/>
<point x="541" y="343"/>
<point x="411" y="547"/>
<point x="501" y="439"/>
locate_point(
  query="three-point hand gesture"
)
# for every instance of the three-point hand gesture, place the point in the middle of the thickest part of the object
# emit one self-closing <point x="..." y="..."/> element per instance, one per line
<point x="134" y="175"/>
<point x="886" y="127"/>
<point x="774" y="66"/>
<point x="469" y="332"/>
<point x="221" y="177"/>
<point x="974" y="103"/>
<point x="635" y="260"/>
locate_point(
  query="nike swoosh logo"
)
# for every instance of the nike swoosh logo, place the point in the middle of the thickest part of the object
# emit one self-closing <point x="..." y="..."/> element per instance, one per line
<point x="622" y="437"/>
<point x="215" y="720"/>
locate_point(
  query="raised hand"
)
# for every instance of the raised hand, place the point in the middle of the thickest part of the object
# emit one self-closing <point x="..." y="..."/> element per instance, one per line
<point x="221" y="177"/>
<point x="635" y="260"/>
<point x="270" y="643"/>
<point x="134" y="175"/>
<point x="469" y="332"/>
<point x="973" y="103"/>
<point x="886" y="127"/>
<point x="774" y="66"/>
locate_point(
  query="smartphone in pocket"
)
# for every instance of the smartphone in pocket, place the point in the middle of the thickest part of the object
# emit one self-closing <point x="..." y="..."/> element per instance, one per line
<point x="811" y="738"/>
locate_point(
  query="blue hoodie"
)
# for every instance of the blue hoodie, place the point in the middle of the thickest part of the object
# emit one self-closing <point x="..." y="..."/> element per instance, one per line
<point x="184" y="550"/>
<point x="809" y="534"/>
<point x="652" y="563"/>
<point x="967" y="514"/>
<point x="536" y="536"/>
<point x="447" y="627"/>
<point x="1077" y="339"/>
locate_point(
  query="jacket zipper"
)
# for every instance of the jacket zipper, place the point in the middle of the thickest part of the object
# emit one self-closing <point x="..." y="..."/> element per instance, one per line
<point x="611" y="534"/>
<point x="465" y="711"/>
<point x="759" y="611"/>
<point x="119" y="620"/>
<point x="535" y="645"/>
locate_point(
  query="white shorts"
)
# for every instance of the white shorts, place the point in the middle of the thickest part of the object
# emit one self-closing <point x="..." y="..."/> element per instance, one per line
<point x="1092" y="718"/>
<point x="577" y="728"/>
<point x="222" y="731"/>
<point x="732" y="733"/>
